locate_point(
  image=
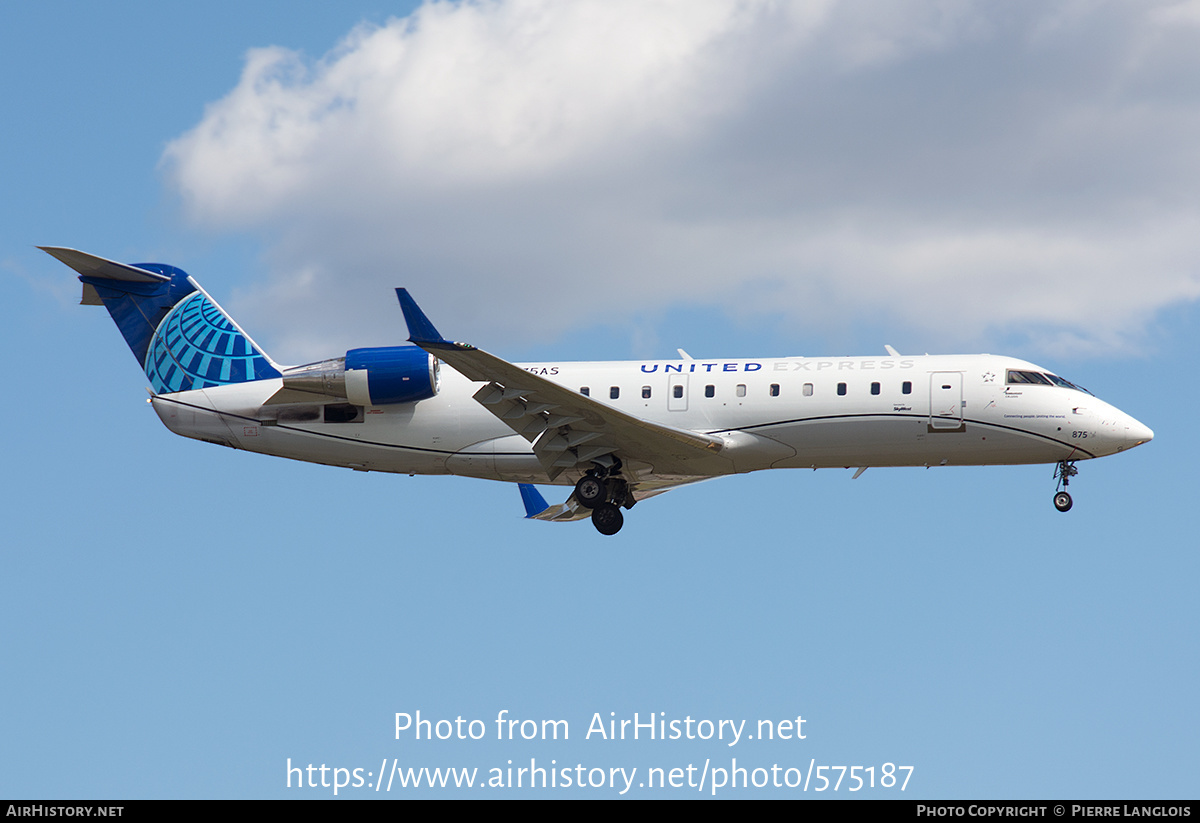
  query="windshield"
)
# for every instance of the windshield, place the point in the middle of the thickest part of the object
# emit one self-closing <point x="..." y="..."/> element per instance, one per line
<point x="1017" y="377"/>
<point x="1066" y="384"/>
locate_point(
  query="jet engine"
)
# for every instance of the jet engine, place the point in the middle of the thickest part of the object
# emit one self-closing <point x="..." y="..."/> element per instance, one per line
<point x="370" y="377"/>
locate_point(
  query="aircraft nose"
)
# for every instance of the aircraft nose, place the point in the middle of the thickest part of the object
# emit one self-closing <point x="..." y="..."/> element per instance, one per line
<point x="1130" y="433"/>
<point x="1138" y="433"/>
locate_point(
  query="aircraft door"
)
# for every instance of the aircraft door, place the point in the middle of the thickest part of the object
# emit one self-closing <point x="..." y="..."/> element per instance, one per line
<point x="946" y="401"/>
<point x="677" y="392"/>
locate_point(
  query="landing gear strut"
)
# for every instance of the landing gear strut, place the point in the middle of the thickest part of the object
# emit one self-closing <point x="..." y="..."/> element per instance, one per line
<point x="604" y="492"/>
<point x="1063" y="474"/>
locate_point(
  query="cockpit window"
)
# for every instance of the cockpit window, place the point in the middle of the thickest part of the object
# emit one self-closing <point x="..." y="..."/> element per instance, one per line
<point x="1066" y="384"/>
<point x="1018" y="377"/>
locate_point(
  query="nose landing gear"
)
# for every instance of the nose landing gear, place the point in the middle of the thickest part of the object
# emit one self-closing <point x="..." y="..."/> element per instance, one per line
<point x="605" y="494"/>
<point x="1063" y="473"/>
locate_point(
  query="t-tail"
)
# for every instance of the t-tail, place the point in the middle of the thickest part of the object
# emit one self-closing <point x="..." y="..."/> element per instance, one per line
<point x="179" y="335"/>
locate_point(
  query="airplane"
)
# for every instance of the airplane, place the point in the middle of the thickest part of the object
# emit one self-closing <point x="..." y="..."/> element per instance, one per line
<point x="616" y="433"/>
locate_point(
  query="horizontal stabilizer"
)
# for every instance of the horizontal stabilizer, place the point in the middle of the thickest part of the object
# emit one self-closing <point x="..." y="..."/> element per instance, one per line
<point x="89" y="265"/>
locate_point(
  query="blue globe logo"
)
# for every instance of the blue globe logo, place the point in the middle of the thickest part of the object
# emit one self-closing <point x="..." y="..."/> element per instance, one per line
<point x="196" y="346"/>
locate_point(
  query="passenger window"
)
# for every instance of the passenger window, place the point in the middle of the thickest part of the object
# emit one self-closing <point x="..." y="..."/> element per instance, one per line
<point x="646" y="392"/>
<point x="614" y="393"/>
<point x="710" y="390"/>
<point x="874" y="388"/>
<point x="808" y="389"/>
<point x="906" y="387"/>
<point x="677" y="391"/>
<point x="585" y="391"/>
<point x="841" y="389"/>
<point x="741" y="390"/>
<point x="774" y="389"/>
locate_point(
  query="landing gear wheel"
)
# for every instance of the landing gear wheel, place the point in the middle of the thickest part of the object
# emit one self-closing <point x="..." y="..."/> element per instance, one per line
<point x="1062" y="502"/>
<point x="607" y="518"/>
<point x="591" y="491"/>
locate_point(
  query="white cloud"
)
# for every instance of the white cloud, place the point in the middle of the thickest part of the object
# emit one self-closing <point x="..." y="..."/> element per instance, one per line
<point x="958" y="168"/>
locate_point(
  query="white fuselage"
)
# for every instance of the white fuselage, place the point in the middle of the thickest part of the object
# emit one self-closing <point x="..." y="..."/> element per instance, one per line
<point x="805" y="412"/>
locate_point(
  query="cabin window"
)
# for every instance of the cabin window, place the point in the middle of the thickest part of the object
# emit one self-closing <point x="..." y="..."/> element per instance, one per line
<point x="710" y="390"/>
<point x="874" y="388"/>
<point x="774" y="389"/>
<point x="841" y="389"/>
<point x="808" y="389"/>
<point x="677" y="390"/>
<point x="585" y="391"/>
<point x="614" y="392"/>
<point x="906" y="387"/>
<point x="741" y="390"/>
<point x="646" y="392"/>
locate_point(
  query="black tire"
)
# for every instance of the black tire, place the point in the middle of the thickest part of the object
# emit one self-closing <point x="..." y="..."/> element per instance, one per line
<point x="591" y="491"/>
<point x="607" y="518"/>
<point x="1063" y="502"/>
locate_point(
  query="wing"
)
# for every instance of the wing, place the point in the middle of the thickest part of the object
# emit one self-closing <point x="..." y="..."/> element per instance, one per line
<point x="536" y="507"/>
<point x="568" y="430"/>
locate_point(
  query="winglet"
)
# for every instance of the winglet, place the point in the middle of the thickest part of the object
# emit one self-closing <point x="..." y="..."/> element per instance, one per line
<point x="420" y="330"/>
<point x="535" y="504"/>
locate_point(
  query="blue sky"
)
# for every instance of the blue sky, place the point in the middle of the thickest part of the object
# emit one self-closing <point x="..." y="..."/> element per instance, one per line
<point x="178" y="620"/>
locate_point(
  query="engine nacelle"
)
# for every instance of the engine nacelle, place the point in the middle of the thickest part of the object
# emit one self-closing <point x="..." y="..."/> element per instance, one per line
<point x="393" y="374"/>
<point x="370" y="377"/>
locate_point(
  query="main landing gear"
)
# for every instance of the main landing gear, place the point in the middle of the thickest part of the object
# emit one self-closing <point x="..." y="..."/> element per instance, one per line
<point x="604" y="492"/>
<point x="1063" y="473"/>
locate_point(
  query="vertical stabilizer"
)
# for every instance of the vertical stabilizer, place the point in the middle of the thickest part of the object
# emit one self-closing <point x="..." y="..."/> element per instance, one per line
<point x="180" y="336"/>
